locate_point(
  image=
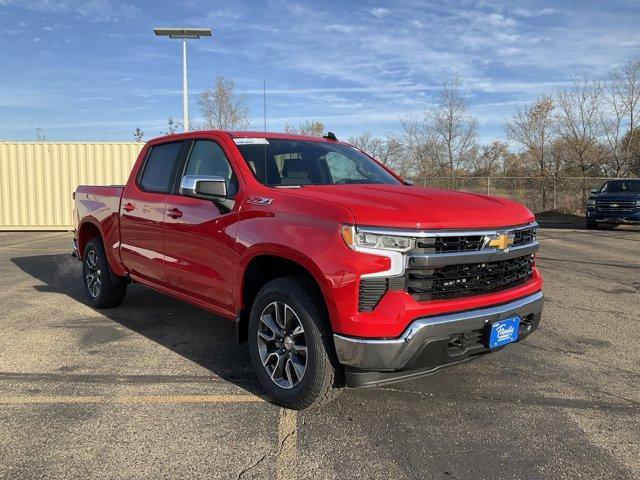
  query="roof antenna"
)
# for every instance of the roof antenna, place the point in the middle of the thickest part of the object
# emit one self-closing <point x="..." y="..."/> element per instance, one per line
<point x="264" y="110"/>
<point x="264" y="102"/>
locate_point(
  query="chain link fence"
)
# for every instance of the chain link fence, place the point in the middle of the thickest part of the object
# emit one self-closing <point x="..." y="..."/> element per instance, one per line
<point x="564" y="194"/>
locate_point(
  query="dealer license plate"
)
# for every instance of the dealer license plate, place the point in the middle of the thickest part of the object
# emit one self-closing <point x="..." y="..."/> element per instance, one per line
<point x="504" y="331"/>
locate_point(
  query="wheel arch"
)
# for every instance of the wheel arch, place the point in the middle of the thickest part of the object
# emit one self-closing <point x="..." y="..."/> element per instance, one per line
<point x="265" y="266"/>
<point x="87" y="231"/>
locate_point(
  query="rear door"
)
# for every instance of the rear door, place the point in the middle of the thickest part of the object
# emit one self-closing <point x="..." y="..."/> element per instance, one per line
<point x="200" y="234"/>
<point x="142" y="213"/>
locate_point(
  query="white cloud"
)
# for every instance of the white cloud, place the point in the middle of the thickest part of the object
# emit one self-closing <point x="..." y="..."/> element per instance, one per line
<point x="526" y="12"/>
<point x="498" y="20"/>
<point x="92" y="10"/>
<point x="359" y="74"/>
<point x="339" y="28"/>
<point x="380" y="12"/>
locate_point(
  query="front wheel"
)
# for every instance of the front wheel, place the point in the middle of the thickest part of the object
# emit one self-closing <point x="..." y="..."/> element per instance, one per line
<point x="102" y="288"/>
<point x="592" y="225"/>
<point x="291" y="344"/>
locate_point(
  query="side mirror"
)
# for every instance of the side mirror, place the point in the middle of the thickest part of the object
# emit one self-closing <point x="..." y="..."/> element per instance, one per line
<point x="208" y="187"/>
<point x="594" y="190"/>
<point x="409" y="182"/>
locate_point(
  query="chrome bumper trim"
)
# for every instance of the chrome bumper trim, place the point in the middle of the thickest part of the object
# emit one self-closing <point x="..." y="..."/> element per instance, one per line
<point x="396" y="353"/>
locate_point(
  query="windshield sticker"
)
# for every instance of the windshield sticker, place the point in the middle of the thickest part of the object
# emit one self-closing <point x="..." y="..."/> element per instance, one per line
<point x="251" y="141"/>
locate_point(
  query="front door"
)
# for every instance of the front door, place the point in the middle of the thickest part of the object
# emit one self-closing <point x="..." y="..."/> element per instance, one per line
<point x="200" y="234"/>
<point x="142" y="213"/>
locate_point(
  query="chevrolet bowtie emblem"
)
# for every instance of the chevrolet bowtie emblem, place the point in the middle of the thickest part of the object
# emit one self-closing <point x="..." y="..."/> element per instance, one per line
<point x="501" y="241"/>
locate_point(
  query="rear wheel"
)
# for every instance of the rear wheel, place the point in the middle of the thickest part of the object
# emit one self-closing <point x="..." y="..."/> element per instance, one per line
<point x="103" y="289"/>
<point x="291" y="344"/>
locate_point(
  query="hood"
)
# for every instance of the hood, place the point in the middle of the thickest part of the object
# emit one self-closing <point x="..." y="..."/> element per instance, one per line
<point x="403" y="206"/>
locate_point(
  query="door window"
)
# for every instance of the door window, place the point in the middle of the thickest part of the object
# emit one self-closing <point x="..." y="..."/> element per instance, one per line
<point x="159" y="167"/>
<point x="207" y="158"/>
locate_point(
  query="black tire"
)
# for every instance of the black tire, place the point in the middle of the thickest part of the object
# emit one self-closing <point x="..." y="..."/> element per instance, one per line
<point x="323" y="375"/>
<point x="102" y="288"/>
<point x="591" y="225"/>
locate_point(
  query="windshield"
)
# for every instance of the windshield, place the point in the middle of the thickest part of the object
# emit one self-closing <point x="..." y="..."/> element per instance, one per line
<point x="621" y="186"/>
<point x="293" y="163"/>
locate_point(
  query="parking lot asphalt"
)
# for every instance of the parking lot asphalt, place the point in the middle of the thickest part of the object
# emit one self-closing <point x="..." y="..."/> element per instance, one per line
<point x="159" y="389"/>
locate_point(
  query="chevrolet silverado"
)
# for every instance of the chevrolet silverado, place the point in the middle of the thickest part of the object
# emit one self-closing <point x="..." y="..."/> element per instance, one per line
<point x="334" y="269"/>
<point x="617" y="202"/>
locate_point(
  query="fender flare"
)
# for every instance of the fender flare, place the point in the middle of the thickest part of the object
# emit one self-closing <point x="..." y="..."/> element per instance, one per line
<point x="286" y="253"/>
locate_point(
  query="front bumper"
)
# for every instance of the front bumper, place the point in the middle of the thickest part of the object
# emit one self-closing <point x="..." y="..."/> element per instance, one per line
<point x="431" y="343"/>
<point x="620" y="218"/>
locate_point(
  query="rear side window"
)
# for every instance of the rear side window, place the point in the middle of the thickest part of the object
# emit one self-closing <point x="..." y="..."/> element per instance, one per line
<point x="159" y="167"/>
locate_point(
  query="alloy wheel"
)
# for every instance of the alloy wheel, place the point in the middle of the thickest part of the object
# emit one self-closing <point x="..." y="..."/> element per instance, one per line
<point x="282" y="344"/>
<point x="93" y="276"/>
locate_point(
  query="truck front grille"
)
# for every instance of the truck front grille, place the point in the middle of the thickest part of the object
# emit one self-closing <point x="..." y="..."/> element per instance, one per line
<point x="524" y="236"/>
<point x="452" y="281"/>
<point x="455" y="264"/>
<point x="463" y="280"/>
<point x="610" y="206"/>
<point x="468" y="243"/>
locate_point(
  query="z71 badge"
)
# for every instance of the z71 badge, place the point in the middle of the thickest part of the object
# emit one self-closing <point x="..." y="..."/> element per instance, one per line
<point x="260" y="200"/>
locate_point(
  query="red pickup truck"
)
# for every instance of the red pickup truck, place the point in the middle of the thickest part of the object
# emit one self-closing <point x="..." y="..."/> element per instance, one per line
<point x="336" y="270"/>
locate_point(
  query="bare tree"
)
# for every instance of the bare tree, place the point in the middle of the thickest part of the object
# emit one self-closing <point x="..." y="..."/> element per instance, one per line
<point x="389" y="151"/>
<point x="452" y="126"/>
<point x="222" y="107"/>
<point x="579" y="124"/>
<point x="394" y="156"/>
<point x="172" y="126"/>
<point x="138" y="134"/>
<point x="367" y="143"/>
<point x="378" y="148"/>
<point x="312" y="128"/>
<point x="40" y="136"/>
<point x="613" y="121"/>
<point x="633" y="139"/>
<point x="532" y="128"/>
<point x="561" y="158"/>
<point x="623" y="99"/>
<point x="426" y="154"/>
<point x="488" y="160"/>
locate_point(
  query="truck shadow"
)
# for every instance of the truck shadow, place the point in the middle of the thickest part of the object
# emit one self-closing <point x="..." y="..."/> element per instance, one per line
<point x="193" y="333"/>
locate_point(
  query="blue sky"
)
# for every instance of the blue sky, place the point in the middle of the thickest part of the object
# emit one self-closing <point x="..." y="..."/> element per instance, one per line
<point x="94" y="70"/>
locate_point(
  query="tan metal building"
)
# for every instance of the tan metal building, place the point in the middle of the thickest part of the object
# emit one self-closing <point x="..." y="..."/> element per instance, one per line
<point x="37" y="179"/>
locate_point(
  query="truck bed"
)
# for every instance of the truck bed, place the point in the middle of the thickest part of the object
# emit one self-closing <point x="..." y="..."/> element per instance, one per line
<point x="98" y="201"/>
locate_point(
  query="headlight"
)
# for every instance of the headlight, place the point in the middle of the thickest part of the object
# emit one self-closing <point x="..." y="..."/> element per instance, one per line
<point x="637" y="203"/>
<point x="355" y="238"/>
<point x="591" y="202"/>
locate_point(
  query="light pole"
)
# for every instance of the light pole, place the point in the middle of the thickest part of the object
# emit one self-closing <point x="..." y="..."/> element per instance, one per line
<point x="184" y="34"/>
